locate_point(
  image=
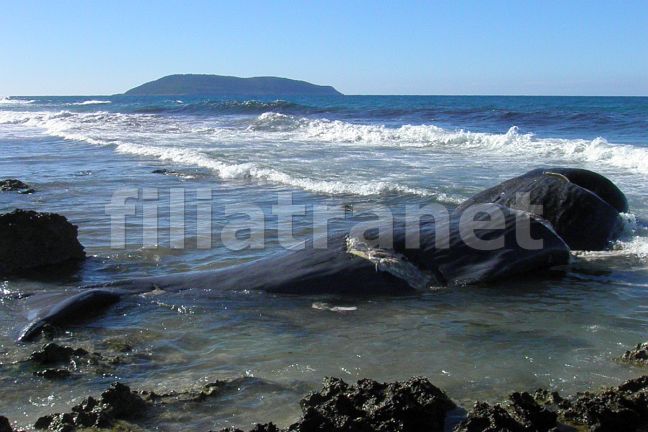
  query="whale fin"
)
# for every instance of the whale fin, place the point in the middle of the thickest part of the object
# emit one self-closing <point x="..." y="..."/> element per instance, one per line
<point x="80" y="306"/>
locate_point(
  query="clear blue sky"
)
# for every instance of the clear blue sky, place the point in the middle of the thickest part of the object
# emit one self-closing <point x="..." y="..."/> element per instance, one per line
<point x="402" y="47"/>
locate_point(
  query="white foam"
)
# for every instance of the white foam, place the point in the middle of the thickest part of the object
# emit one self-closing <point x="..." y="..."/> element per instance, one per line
<point x="132" y="133"/>
<point x="253" y="171"/>
<point x="90" y="102"/>
<point x="511" y="143"/>
<point x="9" y="101"/>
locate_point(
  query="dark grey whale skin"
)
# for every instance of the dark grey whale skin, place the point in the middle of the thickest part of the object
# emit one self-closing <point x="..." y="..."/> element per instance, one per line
<point x="582" y="206"/>
<point x="74" y="308"/>
<point x="335" y="271"/>
<point x="461" y="264"/>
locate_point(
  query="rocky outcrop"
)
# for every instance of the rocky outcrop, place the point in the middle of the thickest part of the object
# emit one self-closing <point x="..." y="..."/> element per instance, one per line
<point x="622" y="408"/>
<point x="30" y="240"/>
<point x="13" y="185"/>
<point x="5" y="426"/>
<point x="522" y="414"/>
<point x="116" y="403"/>
<point x="638" y="355"/>
<point x="369" y="406"/>
<point x="52" y="353"/>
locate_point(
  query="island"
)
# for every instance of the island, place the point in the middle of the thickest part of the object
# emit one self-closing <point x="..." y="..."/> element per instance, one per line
<point x="218" y="85"/>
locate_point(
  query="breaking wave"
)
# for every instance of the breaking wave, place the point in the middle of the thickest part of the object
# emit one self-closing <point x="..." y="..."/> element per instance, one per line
<point x="132" y="133"/>
<point x="90" y="102"/>
<point x="11" y="101"/>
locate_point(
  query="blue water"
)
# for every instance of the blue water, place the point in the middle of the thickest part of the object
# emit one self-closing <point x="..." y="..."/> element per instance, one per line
<point x="478" y="342"/>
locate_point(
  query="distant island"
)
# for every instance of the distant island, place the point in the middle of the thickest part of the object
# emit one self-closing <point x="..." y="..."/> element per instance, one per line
<point x="217" y="85"/>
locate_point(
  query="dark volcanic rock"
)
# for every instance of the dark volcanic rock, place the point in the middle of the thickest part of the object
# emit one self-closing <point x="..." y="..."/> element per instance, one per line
<point x="53" y="373"/>
<point x="54" y="353"/>
<point x="5" y="426"/>
<point x="413" y="405"/>
<point x="29" y="240"/>
<point x="532" y="415"/>
<point x="267" y="427"/>
<point x="13" y="185"/>
<point x="582" y="206"/>
<point x="489" y="418"/>
<point x="624" y="408"/>
<point x="116" y="403"/>
<point x="638" y="355"/>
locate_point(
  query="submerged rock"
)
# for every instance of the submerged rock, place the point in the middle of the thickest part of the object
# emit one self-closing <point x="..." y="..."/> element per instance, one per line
<point x="29" y="240"/>
<point x="638" y="355"/>
<point x="55" y="353"/>
<point x="53" y="373"/>
<point x="13" y="185"/>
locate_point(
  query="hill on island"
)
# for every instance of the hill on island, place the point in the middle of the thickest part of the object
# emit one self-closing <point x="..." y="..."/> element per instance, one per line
<point x="217" y="85"/>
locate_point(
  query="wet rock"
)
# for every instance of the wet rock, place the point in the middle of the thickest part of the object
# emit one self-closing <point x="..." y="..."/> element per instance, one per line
<point x="116" y="403"/>
<point x="13" y="185"/>
<point x="54" y="353"/>
<point x="489" y="418"/>
<point x="164" y="171"/>
<point x="624" y="408"/>
<point x="5" y="426"/>
<point x="121" y="402"/>
<point x="30" y="240"/>
<point x="413" y="405"/>
<point x="530" y="414"/>
<point x="638" y="355"/>
<point x="267" y="427"/>
<point x="53" y="373"/>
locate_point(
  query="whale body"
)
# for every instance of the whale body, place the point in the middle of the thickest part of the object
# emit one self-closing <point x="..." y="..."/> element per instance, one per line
<point x="352" y="266"/>
<point x="561" y="209"/>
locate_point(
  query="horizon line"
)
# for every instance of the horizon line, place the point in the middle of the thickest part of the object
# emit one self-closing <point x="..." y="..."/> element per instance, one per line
<point x="341" y="95"/>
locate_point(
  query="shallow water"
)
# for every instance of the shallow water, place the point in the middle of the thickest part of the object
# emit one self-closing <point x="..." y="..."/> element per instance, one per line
<point x="562" y="331"/>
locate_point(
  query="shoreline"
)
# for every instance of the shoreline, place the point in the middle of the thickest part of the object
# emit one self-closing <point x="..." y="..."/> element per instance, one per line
<point x="409" y="406"/>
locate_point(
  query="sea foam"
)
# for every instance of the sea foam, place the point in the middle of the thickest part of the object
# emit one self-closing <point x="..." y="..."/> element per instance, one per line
<point x="133" y="133"/>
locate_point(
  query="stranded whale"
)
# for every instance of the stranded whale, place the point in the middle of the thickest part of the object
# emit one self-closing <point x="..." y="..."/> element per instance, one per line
<point x="353" y="266"/>
<point x="490" y="237"/>
<point x="584" y="207"/>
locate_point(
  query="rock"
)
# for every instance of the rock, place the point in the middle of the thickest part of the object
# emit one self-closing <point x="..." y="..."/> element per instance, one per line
<point x="5" y="426"/>
<point x="524" y="414"/>
<point x="528" y="412"/>
<point x="163" y="171"/>
<point x="489" y="418"/>
<point x="267" y="427"/>
<point x="29" y="240"/>
<point x="581" y="205"/>
<point x="413" y="405"/>
<point x="13" y="185"/>
<point x="122" y="403"/>
<point x="54" y="353"/>
<point x="116" y="403"/>
<point x="638" y="355"/>
<point x="624" y="408"/>
<point x="53" y="373"/>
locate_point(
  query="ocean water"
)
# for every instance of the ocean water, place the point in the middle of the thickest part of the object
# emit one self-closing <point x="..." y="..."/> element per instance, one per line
<point x="561" y="332"/>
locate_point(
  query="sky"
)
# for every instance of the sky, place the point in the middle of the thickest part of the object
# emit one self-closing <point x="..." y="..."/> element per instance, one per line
<point x="458" y="47"/>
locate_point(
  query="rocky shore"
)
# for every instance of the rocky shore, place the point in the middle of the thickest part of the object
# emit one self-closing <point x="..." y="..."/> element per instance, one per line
<point x="365" y="406"/>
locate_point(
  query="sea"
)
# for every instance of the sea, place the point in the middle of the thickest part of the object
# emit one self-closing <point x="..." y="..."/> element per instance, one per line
<point x="563" y="332"/>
